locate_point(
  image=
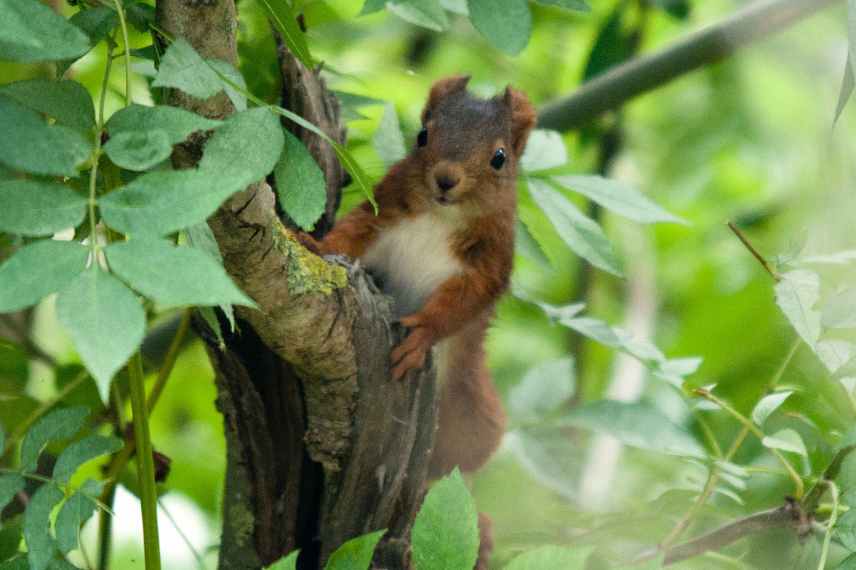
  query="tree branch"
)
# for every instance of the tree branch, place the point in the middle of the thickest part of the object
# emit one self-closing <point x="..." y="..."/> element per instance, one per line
<point x="709" y="45"/>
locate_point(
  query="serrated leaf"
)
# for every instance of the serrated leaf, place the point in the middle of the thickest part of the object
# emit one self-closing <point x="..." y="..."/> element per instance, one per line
<point x="580" y="233"/>
<point x="796" y="294"/>
<point x="173" y="276"/>
<point x="81" y="451"/>
<point x="10" y="485"/>
<point x="41" y="546"/>
<point x="96" y="22"/>
<point x="38" y="208"/>
<point x="425" y="13"/>
<point x="543" y="390"/>
<point x="356" y="554"/>
<point x="507" y="24"/>
<point x="635" y="424"/>
<point x="544" y="150"/>
<point x="617" y="197"/>
<point x="68" y="102"/>
<point x="300" y="185"/>
<point x="74" y="513"/>
<point x="769" y="404"/>
<point x="576" y="5"/>
<point x="786" y="440"/>
<point x="106" y="323"/>
<point x="285" y="22"/>
<point x="182" y="68"/>
<point x="62" y="423"/>
<point x="551" y="556"/>
<point x="445" y="533"/>
<point x="30" y="144"/>
<point x="37" y="270"/>
<point x="177" y="123"/>
<point x="138" y="150"/>
<point x="33" y="32"/>
<point x="388" y="140"/>
<point x="286" y="563"/>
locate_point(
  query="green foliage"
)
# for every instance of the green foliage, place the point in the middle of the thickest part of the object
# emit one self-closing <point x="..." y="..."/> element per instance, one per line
<point x="617" y="197"/>
<point x="355" y="554"/>
<point x="177" y="123"/>
<point x="285" y="22"/>
<point x="769" y="404"/>
<point x="139" y="150"/>
<point x="300" y="186"/>
<point x="59" y="424"/>
<point x="96" y="22"/>
<point x="286" y="563"/>
<point x="796" y="295"/>
<point x="543" y="390"/>
<point x="33" y="32"/>
<point x="41" y="546"/>
<point x="10" y="485"/>
<point x="445" y="533"/>
<point x="551" y="557"/>
<point x="81" y="451"/>
<point x="67" y="102"/>
<point x="37" y="208"/>
<point x="39" y="269"/>
<point x="507" y="24"/>
<point x="105" y="321"/>
<point x="388" y="140"/>
<point x="74" y="514"/>
<point x="181" y="67"/>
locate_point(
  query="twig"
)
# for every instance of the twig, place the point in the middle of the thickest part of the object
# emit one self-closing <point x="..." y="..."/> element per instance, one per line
<point x="833" y="517"/>
<point x="764" y="263"/>
<point x="714" y="43"/>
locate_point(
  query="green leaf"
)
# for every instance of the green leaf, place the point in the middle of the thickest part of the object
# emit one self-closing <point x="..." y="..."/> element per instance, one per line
<point x="138" y="150"/>
<point x="845" y="529"/>
<point x="507" y="24"/>
<point x="543" y="390"/>
<point x="352" y="102"/>
<point x="39" y="269"/>
<point x="848" y="563"/>
<point x="97" y="22"/>
<point x="182" y="68"/>
<point x="526" y="245"/>
<point x="286" y="563"/>
<point x="2" y="444"/>
<point x="285" y="22"/>
<point x="612" y="45"/>
<point x="356" y="554"/>
<point x="635" y="424"/>
<point x="796" y="294"/>
<point x="552" y="557"/>
<point x="577" y="5"/>
<point x="173" y="276"/>
<point x="31" y="145"/>
<point x="17" y="563"/>
<point x="839" y="310"/>
<point x="37" y="208"/>
<point x="68" y="102"/>
<point x="388" y="140"/>
<point x="10" y="485"/>
<point x="445" y="533"/>
<point x="371" y="6"/>
<point x="786" y="440"/>
<point x="74" y="513"/>
<point x="140" y="15"/>
<point x="580" y="233"/>
<point x="618" y="197"/>
<point x="62" y="423"/>
<point x="33" y="32"/>
<point x="769" y="404"/>
<point x="177" y="123"/>
<point x="82" y="451"/>
<point x="227" y="70"/>
<point x="41" y="546"/>
<point x="544" y="150"/>
<point x="202" y="238"/>
<point x="425" y="13"/>
<point x="300" y="185"/>
<point x="105" y="320"/>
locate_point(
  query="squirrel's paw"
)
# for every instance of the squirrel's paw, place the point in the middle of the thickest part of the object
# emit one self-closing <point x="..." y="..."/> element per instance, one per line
<point x="309" y="242"/>
<point x="411" y="352"/>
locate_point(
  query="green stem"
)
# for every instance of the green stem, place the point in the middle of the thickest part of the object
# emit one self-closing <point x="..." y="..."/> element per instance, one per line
<point x="145" y="464"/>
<point x="96" y="156"/>
<point x="124" y="25"/>
<point x="169" y="361"/>
<point x="833" y="517"/>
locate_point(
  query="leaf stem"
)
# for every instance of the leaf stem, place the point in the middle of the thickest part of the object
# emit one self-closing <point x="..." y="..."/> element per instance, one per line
<point x="169" y="361"/>
<point x="764" y="263"/>
<point x="96" y="156"/>
<point x="145" y="464"/>
<point x="833" y="518"/>
<point x="124" y="25"/>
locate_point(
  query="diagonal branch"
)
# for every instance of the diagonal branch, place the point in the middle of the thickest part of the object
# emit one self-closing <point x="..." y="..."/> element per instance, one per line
<point x="709" y="45"/>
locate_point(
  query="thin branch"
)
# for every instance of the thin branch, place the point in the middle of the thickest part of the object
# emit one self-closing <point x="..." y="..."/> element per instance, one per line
<point x="761" y="259"/>
<point x="709" y="45"/>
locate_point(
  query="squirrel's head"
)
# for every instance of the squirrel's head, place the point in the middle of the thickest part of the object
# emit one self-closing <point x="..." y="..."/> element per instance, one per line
<point x="468" y="148"/>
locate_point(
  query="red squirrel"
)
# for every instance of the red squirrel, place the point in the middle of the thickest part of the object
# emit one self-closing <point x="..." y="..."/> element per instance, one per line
<point x="442" y="245"/>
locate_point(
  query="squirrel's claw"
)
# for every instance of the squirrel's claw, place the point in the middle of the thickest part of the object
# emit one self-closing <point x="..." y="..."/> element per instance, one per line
<point x="411" y="352"/>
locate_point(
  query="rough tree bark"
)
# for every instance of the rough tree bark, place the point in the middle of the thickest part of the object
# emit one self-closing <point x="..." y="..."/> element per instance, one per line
<point x="322" y="446"/>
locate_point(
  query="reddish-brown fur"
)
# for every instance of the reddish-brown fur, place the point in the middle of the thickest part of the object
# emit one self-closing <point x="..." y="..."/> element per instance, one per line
<point x="463" y="134"/>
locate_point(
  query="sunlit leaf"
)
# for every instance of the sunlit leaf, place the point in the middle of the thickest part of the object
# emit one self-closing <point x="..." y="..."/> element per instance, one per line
<point x="796" y="294"/>
<point x="543" y="390"/>
<point x="31" y="32"/>
<point x="839" y="310"/>
<point x="544" y="150"/>
<point x="526" y="245"/>
<point x="786" y="440"/>
<point x="550" y="556"/>
<point x="300" y="185"/>
<point x="106" y="323"/>
<point x="445" y="533"/>
<point x="507" y="24"/>
<point x="769" y="404"/>
<point x="38" y="208"/>
<point x="426" y="13"/>
<point x="617" y="197"/>
<point x="388" y="140"/>
<point x="355" y="554"/>
<point x="37" y="270"/>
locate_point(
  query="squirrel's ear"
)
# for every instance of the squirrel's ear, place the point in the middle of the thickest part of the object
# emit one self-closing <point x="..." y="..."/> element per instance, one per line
<point x="442" y="89"/>
<point x="522" y="118"/>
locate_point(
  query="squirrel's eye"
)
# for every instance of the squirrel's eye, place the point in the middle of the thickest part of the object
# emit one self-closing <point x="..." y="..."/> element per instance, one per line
<point x="498" y="158"/>
<point x="422" y="137"/>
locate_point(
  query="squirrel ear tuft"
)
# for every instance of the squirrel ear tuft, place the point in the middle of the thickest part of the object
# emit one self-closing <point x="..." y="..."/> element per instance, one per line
<point x="442" y="89"/>
<point x="523" y="118"/>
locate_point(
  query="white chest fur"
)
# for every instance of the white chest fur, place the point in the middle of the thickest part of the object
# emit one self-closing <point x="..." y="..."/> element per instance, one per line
<point x="413" y="257"/>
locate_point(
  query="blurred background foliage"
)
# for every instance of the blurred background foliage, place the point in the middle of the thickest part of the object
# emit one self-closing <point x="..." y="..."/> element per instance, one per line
<point x="749" y="140"/>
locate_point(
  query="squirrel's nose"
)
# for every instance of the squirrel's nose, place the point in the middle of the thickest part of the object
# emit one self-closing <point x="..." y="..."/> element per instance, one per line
<point x="446" y="182"/>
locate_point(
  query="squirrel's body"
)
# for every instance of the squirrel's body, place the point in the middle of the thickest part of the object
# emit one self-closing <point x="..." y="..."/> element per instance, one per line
<point x="442" y="245"/>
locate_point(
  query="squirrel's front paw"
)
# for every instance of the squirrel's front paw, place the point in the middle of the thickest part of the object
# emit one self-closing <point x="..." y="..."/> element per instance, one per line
<point x="411" y="352"/>
<point x="309" y="242"/>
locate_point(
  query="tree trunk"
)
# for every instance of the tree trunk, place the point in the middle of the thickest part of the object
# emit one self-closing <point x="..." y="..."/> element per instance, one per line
<point x="322" y="445"/>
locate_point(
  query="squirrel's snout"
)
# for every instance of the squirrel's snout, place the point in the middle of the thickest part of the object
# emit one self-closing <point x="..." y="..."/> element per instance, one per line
<point x="446" y="183"/>
<point x="446" y="176"/>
